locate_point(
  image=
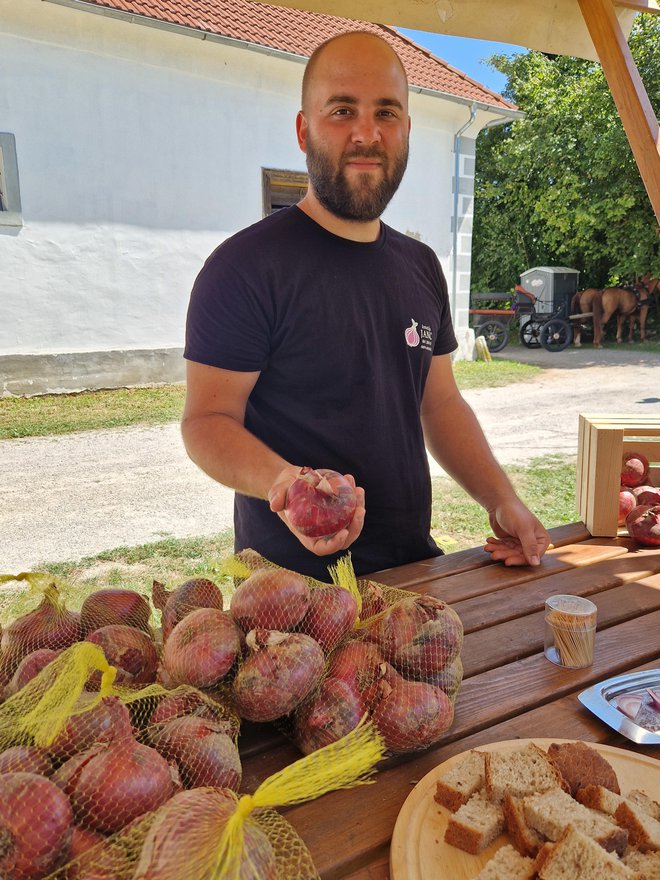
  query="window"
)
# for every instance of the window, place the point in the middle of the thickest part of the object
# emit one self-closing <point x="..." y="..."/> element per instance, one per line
<point x="10" y="199"/>
<point x="282" y="188"/>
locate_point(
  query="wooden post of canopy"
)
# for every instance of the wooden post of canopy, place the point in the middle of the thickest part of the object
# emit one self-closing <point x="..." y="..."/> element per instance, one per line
<point x="627" y="89"/>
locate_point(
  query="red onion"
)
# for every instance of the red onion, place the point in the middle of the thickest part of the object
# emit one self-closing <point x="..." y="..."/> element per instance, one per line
<point x="190" y="701"/>
<point x="626" y="503"/>
<point x="634" y="469"/>
<point x="106" y="721"/>
<point x="373" y="600"/>
<point x="25" y="759"/>
<point x="130" y="650"/>
<point x="332" y="712"/>
<point x="646" y="495"/>
<point x="643" y="524"/>
<point x="193" y="594"/>
<point x="280" y="671"/>
<point x="411" y="715"/>
<point x="271" y="598"/>
<point x="320" y="503"/>
<point x="117" y="783"/>
<point x="114" y="606"/>
<point x="331" y="615"/>
<point x="183" y="840"/>
<point x="419" y="635"/>
<point x="35" y="826"/>
<point x="202" y="648"/>
<point x="31" y="666"/>
<point x="359" y="664"/>
<point x="203" y="752"/>
<point x="50" y="625"/>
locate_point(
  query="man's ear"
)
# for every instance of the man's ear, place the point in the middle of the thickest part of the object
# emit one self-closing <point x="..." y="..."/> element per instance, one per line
<point x="301" y="131"/>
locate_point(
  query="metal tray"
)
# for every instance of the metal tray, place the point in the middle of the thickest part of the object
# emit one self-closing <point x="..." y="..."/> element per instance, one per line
<point x="601" y="700"/>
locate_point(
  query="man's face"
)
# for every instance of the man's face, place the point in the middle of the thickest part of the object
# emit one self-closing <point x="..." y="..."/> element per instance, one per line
<point x="354" y="128"/>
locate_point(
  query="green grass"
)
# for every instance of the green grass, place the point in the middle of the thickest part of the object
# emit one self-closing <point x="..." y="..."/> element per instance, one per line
<point x="51" y="414"/>
<point x="90" y="410"/>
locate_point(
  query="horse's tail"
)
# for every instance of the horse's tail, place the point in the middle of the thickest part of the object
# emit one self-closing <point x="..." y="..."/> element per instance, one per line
<point x="597" y="309"/>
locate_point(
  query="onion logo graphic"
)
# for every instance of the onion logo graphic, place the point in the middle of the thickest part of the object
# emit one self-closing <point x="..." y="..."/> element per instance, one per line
<point x="412" y="336"/>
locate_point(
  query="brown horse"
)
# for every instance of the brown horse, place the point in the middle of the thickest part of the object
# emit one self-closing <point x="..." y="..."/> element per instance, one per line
<point x="582" y="306"/>
<point x="627" y="302"/>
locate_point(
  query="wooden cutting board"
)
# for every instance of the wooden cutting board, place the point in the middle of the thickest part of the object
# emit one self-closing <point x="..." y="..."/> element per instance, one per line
<point x="418" y="850"/>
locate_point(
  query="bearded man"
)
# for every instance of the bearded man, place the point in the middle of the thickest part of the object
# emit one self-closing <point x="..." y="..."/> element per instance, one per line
<point x="322" y="337"/>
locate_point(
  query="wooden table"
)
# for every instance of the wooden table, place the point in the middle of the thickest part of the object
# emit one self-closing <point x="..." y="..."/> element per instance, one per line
<point x="509" y="689"/>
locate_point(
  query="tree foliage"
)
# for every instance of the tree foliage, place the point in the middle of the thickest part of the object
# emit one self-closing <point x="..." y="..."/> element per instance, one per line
<point x="561" y="186"/>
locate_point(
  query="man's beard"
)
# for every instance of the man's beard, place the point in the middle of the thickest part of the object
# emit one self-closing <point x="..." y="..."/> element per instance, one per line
<point x="364" y="201"/>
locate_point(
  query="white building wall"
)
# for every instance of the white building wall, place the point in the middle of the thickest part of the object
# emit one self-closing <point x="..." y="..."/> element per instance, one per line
<point x="139" y="150"/>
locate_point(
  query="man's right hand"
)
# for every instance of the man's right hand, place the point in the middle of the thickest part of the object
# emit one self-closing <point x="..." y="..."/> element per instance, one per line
<point x="342" y="540"/>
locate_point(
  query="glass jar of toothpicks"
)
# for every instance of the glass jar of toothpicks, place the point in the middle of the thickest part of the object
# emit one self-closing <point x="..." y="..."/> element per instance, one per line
<point x="570" y="631"/>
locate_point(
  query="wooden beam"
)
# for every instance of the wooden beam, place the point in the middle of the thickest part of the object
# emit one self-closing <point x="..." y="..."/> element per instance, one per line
<point x="628" y="92"/>
<point x="639" y="5"/>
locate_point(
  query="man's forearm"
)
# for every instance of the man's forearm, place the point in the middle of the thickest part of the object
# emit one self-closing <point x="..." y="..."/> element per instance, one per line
<point x="230" y="454"/>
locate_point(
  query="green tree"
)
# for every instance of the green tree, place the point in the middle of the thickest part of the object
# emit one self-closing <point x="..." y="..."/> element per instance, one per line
<point x="561" y="186"/>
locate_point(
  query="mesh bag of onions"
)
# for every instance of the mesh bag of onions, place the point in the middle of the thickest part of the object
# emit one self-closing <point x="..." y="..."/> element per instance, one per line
<point x="318" y="657"/>
<point x="103" y="782"/>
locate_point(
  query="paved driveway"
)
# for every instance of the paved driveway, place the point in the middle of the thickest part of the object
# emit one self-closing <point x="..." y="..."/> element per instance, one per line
<point x="62" y="498"/>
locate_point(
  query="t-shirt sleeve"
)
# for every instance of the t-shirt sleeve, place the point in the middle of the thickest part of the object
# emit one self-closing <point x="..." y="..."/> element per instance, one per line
<point x="445" y="341"/>
<point x="228" y="320"/>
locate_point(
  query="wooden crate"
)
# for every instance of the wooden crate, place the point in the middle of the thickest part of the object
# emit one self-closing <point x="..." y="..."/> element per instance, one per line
<point x="602" y="442"/>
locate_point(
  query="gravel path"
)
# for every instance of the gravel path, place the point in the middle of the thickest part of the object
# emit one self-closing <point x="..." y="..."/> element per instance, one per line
<point x="62" y="498"/>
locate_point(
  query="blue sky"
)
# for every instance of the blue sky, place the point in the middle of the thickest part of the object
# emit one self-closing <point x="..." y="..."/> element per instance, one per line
<point x="465" y="54"/>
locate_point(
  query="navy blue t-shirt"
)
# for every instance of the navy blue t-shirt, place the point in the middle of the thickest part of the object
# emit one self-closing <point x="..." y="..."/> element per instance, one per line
<point x="343" y="334"/>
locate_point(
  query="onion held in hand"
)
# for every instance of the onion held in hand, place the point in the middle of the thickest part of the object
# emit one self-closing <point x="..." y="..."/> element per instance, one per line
<point x="643" y="524"/>
<point x="320" y="503"/>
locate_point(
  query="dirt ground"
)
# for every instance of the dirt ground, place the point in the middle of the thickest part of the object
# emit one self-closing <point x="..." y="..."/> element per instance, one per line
<point x="62" y="498"/>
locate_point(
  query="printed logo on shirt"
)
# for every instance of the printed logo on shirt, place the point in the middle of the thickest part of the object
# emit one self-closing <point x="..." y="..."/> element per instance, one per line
<point x="422" y="337"/>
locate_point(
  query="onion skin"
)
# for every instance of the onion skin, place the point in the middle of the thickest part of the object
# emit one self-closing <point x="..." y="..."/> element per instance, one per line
<point x="320" y="503"/>
<point x="117" y="783"/>
<point x="190" y="701"/>
<point x="627" y="502"/>
<point x="332" y="712"/>
<point x="280" y="671"/>
<point x="331" y="615"/>
<point x="203" y="752"/>
<point x="107" y="721"/>
<point x="35" y="826"/>
<point x="373" y="600"/>
<point x="129" y="649"/>
<point x="646" y="495"/>
<point x="202" y="648"/>
<point x="419" y="635"/>
<point x="411" y="715"/>
<point x="359" y="664"/>
<point x="25" y="759"/>
<point x="114" y="606"/>
<point x="29" y="667"/>
<point x="274" y="599"/>
<point x="183" y="840"/>
<point x="189" y="596"/>
<point x="643" y="524"/>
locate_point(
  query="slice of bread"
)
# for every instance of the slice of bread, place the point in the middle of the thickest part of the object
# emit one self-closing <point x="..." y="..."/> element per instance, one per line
<point x="525" y="839"/>
<point x="551" y="812"/>
<point x="645" y="802"/>
<point x="598" y="798"/>
<point x="643" y="830"/>
<point x="475" y="825"/>
<point x="646" y="864"/>
<point x="507" y="864"/>
<point x="521" y="772"/>
<point x="576" y="855"/>
<point x="580" y="764"/>
<point x="463" y="780"/>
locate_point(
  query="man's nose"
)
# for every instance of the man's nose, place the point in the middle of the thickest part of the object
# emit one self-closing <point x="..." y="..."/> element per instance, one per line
<point x="366" y="131"/>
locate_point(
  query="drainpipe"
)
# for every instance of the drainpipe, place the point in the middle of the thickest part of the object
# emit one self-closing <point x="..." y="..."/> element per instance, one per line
<point x="457" y="169"/>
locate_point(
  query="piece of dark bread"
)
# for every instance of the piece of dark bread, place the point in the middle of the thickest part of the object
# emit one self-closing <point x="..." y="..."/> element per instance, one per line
<point x="581" y="765"/>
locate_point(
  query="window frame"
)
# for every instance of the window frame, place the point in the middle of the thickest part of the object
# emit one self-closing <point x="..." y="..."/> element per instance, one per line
<point x="10" y="195"/>
<point x="282" y="188"/>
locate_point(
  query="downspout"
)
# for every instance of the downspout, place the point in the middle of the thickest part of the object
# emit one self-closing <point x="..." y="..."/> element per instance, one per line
<point x="457" y="169"/>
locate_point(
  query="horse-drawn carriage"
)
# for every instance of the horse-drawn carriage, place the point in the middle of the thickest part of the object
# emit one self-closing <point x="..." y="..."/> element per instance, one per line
<point x="555" y="315"/>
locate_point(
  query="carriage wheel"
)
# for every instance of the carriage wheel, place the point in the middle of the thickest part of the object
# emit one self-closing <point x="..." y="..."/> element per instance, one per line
<point x="556" y="335"/>
<point x="529" y="333"/>
<point x="495" y="333"/>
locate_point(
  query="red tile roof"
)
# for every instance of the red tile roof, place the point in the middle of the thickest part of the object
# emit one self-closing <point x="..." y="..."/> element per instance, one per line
<point x="299" y="32"/>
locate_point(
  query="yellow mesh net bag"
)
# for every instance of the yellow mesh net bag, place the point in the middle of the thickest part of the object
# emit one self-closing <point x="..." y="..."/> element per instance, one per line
<point x="319" y="656"/>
